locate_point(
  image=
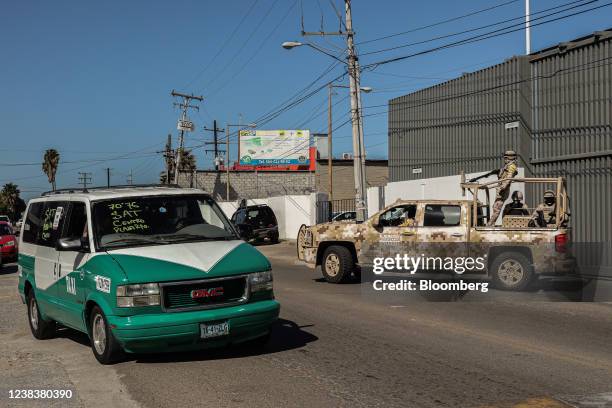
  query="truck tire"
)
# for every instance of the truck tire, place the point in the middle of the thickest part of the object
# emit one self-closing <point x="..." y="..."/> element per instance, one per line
<point x="105" y="347"/>
<point x="301" y="236"/>
<point x="511" y="271"/>
<point x="337" y="264"/>
<point x="41" y="328"/>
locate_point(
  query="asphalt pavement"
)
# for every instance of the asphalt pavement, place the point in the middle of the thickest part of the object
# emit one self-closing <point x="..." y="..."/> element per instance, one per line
<point x="336" y="346"/>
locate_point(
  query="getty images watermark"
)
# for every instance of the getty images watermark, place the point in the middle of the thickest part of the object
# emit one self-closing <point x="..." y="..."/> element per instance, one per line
<point x="413" y="264"/>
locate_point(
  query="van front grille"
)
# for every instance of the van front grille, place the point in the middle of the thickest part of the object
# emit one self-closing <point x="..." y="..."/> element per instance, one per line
<point x="203" y="294"/>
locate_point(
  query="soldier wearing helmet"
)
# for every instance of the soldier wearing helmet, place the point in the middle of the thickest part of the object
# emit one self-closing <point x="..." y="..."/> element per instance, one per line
<point x="505" y="174"/>
<point x="546" y="212"/>
<point x="517" y="206"/>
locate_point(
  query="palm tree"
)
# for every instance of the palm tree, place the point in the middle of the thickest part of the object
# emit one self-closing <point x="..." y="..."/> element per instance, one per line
<point x="9" y="199"/>
<point x="50" y="164"/>
<point x="188" y="164"/>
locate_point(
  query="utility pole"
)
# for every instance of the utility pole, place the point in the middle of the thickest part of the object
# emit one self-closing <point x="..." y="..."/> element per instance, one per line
<point x="527" y="28"/>
<point x="130" y="178"/>
<point x="216" y="150"/>
<point x="108" y="173"/>
<point x="359" y="155"/>
<point x="329" y="143"/>
<point x="183" y="125"/>
<point x="227" y="162"/>
<point x="85" y="179"/>
<point x="169" y="159"/>
<point x="356" y="116"/>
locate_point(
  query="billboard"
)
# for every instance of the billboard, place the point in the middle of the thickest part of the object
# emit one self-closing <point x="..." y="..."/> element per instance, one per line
<point x="270" y="147"/>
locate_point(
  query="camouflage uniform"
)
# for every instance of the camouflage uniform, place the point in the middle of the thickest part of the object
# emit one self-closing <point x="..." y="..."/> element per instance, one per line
<point x="546" y="212"/>
<point x="506" y="174"/>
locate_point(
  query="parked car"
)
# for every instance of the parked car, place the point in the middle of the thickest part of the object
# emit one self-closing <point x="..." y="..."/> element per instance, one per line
<point x="256" y="223"/>
<point x="8" y="242"/>
<point x="344" y="216"/>
<point x="5" y="218"/>
<point x="142" y="269"/>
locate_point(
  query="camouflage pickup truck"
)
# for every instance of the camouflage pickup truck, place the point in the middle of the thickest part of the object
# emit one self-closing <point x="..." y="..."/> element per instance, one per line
<point x="516" y="252"/>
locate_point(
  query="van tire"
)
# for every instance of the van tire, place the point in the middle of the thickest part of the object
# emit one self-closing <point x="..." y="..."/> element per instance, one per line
<point x="40" y="327"/>
<point x="105" y="347"/>
<point x="511" y="271"/>
<point x="337" y="264"/>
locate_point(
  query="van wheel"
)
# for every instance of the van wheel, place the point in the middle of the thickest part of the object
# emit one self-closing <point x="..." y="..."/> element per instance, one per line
<point x="105" y="347"/>
<point x="41" y="328"/>
<point x="337" y="264"/>
<point x="511" y="271"/>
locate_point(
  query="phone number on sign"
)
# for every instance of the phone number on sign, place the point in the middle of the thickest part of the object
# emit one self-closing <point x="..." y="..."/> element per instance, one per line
<point x="40" y="394"/>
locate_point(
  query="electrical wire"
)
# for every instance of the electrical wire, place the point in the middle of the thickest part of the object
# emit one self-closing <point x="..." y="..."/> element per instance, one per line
<point x="477" y="38"/>
<point x="225" y="43"/>
<point x="573" y="4"/>
<point x="438" y="23"/>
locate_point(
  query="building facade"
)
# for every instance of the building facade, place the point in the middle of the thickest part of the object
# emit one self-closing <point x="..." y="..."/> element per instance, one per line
<point x="554" y="107"/>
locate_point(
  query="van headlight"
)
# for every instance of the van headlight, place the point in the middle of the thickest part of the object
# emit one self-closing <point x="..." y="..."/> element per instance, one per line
<point x="145" y="294"/>
<point x="260" y="281"/>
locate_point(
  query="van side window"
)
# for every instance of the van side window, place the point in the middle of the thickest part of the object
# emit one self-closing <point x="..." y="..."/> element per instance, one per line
<point x="76" y="224"/>
<point x="32" y="223"/>
<point x="53" y="216"/>
<point x="437" y="215"/>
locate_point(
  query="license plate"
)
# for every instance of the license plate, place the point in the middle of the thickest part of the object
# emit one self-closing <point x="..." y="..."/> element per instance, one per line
<point x="213" y="330"/>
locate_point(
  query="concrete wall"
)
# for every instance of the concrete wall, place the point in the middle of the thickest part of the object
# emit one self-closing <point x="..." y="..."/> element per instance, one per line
<point x="291" y="211"/>
<point x="250" y="184"/>
<point x="377" y="174"/>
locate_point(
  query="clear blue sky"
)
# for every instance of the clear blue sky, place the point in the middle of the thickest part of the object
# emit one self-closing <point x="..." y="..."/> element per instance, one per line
<point x="92" y="79"/>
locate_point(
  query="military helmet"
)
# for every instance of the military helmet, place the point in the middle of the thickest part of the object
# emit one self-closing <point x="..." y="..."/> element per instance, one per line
<point x="511" y="154"/>
<point x="517" y="196"/>
<point x="549" y="194"/>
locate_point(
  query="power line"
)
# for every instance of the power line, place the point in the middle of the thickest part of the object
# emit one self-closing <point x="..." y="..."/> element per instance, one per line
<point x="477" y="38"/>
<point x="262" y="44"/>
<point x="438" y="23"/>
<point x="244" y="44"/>
<point x="574" y="3"/>
<point x="225" y="43"/>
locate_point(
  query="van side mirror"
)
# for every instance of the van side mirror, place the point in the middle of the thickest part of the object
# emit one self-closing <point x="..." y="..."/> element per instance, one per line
<point x="71" y="244"/>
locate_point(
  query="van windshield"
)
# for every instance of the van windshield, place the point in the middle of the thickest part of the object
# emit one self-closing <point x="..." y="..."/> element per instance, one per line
<point x="158" y="220"/>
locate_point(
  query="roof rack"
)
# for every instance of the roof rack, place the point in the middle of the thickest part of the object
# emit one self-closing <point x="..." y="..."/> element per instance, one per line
<point x="76" y="190"/>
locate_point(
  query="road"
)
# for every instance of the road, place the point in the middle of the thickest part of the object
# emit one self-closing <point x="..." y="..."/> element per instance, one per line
<point x="336" y="347"/>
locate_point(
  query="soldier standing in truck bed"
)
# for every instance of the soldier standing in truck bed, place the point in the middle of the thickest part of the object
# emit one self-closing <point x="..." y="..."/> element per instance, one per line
<point x="505" y="175"/>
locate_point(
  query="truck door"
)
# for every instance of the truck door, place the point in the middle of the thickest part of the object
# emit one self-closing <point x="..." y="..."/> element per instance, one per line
<point x="444" y="230"/>
<point x="397" y="228"/>
<point x="71" y="290"/>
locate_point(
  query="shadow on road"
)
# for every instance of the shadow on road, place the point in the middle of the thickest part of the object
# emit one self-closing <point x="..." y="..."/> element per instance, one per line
<point x="8" y="269"/>
<point x="286" y="335"/>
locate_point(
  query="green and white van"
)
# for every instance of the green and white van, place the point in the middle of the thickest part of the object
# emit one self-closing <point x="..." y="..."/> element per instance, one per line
<point x="142" y="269"/>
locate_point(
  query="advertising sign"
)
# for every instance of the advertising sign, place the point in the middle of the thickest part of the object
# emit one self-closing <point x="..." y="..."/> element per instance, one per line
<point x="269" y="147"/>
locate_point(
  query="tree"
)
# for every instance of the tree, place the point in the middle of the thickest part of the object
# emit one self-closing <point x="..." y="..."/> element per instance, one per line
<point x="50" y="164"/>
<point x="188" y="164"/>
<point x="10" y="202"/>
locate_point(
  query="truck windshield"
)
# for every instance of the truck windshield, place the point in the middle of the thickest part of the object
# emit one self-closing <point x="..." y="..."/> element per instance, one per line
<point x="158" y="220"/>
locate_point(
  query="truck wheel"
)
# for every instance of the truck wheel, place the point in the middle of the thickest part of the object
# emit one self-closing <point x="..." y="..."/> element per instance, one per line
<point x="337" y="264"/>
<point x="105" y="347"/>
<point x="41" y="328"/>
<point x="511" y="271"/>
<point x="301" y="238"/>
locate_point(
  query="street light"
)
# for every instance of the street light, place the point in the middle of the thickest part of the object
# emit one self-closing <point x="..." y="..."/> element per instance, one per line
<point x="291" y="44"/>
<point x="288" y="45"/>
<point x="227" y="152"/>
